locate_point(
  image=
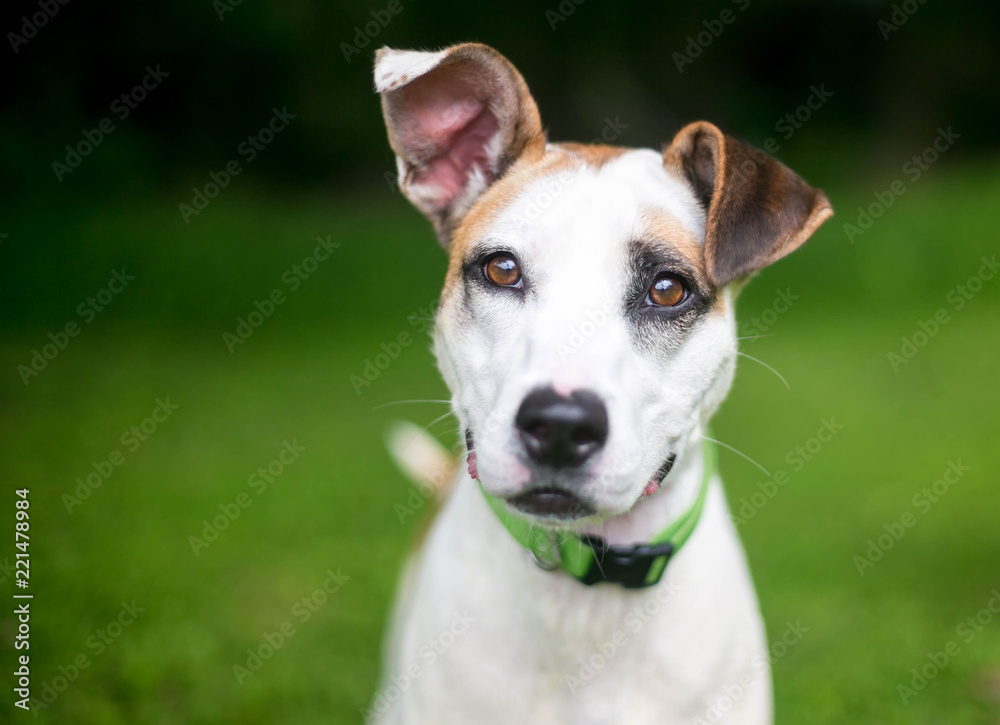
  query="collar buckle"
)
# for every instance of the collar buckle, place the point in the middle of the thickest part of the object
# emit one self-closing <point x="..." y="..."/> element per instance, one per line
<point x="628" y="566"/>
<point x="555" y="562"/>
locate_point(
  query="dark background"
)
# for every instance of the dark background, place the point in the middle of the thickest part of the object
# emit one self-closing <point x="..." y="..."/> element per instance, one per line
<point x="891" y="90"/>
<point x="860" y="300"/>
<point x="604" y="58"/>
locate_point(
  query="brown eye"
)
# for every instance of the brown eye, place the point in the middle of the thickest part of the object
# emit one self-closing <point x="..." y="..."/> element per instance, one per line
<point x="667" y="291"/>
<point x="503" y="271"/>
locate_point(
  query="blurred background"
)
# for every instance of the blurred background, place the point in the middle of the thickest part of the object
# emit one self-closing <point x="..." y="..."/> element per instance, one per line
<point x="216" y="527"/>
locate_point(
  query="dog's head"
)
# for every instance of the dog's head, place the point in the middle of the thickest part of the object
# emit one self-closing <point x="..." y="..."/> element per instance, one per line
<point x="586" y="327"/>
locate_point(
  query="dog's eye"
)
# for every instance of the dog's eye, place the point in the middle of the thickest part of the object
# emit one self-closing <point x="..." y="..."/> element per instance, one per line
<point x="503" y="271"/>
<point x="667" y="291"/>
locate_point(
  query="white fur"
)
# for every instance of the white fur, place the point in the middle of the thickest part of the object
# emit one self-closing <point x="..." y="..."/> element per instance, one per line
<point x="534" y="630"/>
<point x="573" y="249"/>
<point x="392" y="65"/>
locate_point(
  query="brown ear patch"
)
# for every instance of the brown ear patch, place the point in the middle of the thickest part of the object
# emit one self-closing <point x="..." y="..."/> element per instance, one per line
<point x="758" y="210"/>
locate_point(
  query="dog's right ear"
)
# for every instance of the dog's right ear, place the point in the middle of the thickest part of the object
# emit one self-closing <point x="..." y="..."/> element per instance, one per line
<point x="457" y="119"/>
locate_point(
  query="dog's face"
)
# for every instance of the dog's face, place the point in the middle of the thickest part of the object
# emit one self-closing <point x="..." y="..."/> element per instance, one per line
<point x="586" y="327"/>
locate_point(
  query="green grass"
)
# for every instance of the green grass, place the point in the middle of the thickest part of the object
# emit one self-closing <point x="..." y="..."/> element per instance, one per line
<point x="333" y="507"/>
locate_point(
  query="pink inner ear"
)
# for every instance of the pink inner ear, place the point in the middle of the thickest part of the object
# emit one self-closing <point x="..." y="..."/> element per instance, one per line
<point x="446" y="128"/>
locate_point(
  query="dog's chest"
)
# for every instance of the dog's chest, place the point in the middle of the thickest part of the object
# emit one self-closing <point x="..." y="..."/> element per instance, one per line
<point x="540" y="647"/>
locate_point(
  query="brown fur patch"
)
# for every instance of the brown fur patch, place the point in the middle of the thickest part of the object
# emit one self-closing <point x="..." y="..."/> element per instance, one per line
<point x="662" y="227"/>
<point x="719" y="305"/>
<point x="593" y="155"/>
<point x="758" y="209"/>
<point x="500" y="195"/>
<point x="559" y="158"/>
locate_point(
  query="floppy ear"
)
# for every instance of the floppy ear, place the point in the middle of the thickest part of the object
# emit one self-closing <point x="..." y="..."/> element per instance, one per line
<point x="457" y="119"/>
<point x="758" y="209"/>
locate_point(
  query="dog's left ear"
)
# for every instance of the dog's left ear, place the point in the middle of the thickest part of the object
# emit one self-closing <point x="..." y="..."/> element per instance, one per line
<point x="758" y="210"/>
<point x="457" y="119"/>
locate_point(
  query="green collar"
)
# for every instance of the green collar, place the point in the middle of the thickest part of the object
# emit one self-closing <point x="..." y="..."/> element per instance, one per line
<point x="590" y="560"/>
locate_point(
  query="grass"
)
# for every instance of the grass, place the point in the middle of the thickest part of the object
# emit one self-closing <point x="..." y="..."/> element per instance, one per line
<point x="333" y="506"/>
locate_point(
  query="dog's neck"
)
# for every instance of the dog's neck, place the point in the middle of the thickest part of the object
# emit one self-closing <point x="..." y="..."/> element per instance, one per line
<point x="651" y="514"/>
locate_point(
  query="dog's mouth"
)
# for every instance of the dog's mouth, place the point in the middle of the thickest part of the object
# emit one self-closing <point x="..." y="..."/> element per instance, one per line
<point x="551" y="502"/>
<point x="543" y="501"/>
<point x="559" y="503"/>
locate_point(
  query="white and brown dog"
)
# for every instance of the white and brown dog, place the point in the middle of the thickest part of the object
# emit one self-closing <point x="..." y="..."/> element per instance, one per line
<point x="586" y="569"/>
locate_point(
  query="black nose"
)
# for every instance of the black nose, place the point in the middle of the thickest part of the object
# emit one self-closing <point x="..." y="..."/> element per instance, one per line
<point x="560" y="431"/>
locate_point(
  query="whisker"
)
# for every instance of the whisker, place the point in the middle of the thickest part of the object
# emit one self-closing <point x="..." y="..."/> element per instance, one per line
<point x="401" y="402"/>
<point x="739" y="453"/>
<point x="756" y="337"/>
<point x="761" y="362"/>
<point x="438" y="419"/>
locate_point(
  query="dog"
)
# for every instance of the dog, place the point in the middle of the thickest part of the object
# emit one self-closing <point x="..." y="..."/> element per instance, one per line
<point x="584" y="569"/>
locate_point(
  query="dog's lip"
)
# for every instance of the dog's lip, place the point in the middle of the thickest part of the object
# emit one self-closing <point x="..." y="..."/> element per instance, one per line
<point x="550" y="501"/>
<point x="653" y="485"/>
